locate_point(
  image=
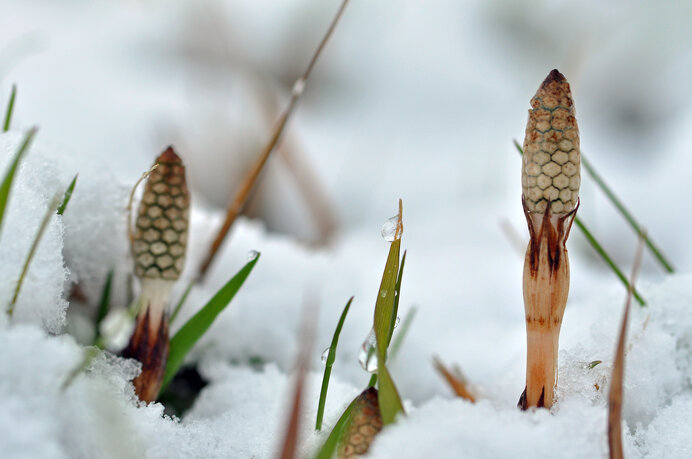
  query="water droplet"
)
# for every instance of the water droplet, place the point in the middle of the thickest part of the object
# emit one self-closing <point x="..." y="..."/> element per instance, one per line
<point x="298" y="87"/>
<point x="252" y="255"/>
<point x="367" y="356"/>
<point x="116" y="329"/>
<point x="396" y="321"/>
<point x="383" y="294"/>
<point x="325" y="355"/>
<point x="389" y="232"/>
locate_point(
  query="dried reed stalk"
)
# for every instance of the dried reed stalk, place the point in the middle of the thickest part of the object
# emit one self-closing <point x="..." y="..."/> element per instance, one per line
<point x="456" y="381"/>
<point x="618" y="375"/>
<point x="158" y="245"/>
<point x="550" y="182"/>
<point x="243" y="192"/>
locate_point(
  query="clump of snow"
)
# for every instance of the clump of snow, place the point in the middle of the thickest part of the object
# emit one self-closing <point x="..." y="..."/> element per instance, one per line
<point x="90" y="418"/>
<point x="37" y="180"/>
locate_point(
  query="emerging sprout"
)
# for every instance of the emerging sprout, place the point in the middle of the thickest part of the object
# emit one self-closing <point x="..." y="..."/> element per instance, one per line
<point x="364" y="423"/>
<point x="158" y="246"/>
<point x="550" y="182"/>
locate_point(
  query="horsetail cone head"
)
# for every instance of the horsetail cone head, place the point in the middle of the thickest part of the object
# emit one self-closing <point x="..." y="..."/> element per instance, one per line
<point x="365" y="422"/>
<point x="160" y="235"/>
<point x="550" y="171"/>
<point x="550" y="181"/>
<point x="158" y="246"/>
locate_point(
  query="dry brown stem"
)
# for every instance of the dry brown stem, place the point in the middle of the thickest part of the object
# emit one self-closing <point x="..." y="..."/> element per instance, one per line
<point x="289" y="446"/>
<point x="546" y="286"/>
<point x="243" y="192"/>
<point x="457" y="384"/>
<point x="618" y="375"/>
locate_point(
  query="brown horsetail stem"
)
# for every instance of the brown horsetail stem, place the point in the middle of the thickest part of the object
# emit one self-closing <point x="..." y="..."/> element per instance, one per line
<point x="550" y="181"/>
<point x="158" y="246"/>
<point x="365" y="422"/>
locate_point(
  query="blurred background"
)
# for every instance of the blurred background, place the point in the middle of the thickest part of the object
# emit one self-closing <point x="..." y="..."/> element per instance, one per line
<point x="419" y="100"/>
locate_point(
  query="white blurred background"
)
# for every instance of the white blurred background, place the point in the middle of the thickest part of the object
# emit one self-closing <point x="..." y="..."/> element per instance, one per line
<point x="419" y="100"/>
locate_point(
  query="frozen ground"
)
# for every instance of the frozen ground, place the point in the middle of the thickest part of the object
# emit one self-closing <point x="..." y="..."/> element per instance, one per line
<point x="418" y="100"/>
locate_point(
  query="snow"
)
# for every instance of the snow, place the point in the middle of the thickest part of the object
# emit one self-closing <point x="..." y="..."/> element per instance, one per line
<point x="409" y="101"/>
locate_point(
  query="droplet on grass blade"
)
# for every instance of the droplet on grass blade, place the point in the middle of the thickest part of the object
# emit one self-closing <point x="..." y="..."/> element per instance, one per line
<point x="389" y="229"/>
<point x="116" y="329"/>
<point x="325" y="355"/>
<point x="252" y="255"/>
<point x="367" y="356"/>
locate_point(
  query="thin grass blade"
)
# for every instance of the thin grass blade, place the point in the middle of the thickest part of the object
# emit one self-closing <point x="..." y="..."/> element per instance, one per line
<point x="52" y="207"/>
<point x="9" y="175"/>
<point x="609" y="261"/>
<point x="397" y="289"/>
<point x="194" y="329"/>
<point x="328" y="365"/>
<point x="401" y="334"/>
<point x="10" y="109"/>
<point x="67" y="196"/>
<point x="90" y="354"/>
<point x="618" y="375"/>
<point x="181" y="302"/>
<point x="329" y="447"/>
<point x="599" y="249"/>
<point x="104" y="305"/>
<point x="667" y="266"/>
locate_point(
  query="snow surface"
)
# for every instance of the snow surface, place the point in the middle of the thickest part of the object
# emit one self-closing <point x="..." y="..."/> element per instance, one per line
<point x="418" y="100"/>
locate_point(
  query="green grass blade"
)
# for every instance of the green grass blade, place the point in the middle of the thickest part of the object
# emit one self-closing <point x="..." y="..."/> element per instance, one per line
<point x="181" y="302"/>
<point x="609" y="261"/>
<point x="328" y="366"/>
<point x="9" y="175"/>
<point x="328" y="450"/>
<point x="194" y="329"/>
<point x="401" y="334"/>
<point x="104" y="305"/>
<point x="667" y="266"/>
<point x="610" y="194"/>
<point x="599" y="248"/>
<point x="67" y="196"/>
<point x="52" y="207"/>
<point x="397" y="290"/>
<point x="388" y="396"/>
<point x="384" y="306"/>
<point x="10" y="109"/>
<point x="90" y="353"/>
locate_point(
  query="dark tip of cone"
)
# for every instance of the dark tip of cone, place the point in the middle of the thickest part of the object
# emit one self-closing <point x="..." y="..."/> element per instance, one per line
<point x="169" y="156"/>
<point x="554" y="75"/>
<point x="370" y="392"/>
